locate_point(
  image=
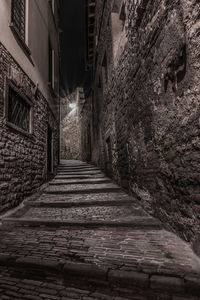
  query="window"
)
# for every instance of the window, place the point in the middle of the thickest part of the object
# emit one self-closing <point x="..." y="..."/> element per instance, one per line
<point x="18" y="109"/>
<point x="51" y="66"/>
<point x="119" y="39"/>
<point x="18" y="11"/>
<point x="122" y="15"/>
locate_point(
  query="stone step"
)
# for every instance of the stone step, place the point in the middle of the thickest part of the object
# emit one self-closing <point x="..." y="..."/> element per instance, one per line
<point x="83" y="181"/>
<point x="92" y="281"/>
<point x="22" y="285"/>
<point x="134" y="223"/>
<point x="78" y="169"/>
<point x="77" y="176"/>
<point x="77" y="165"/>
<point x="72" y="187"/>
<point x="84" y="213"/>
<point x="122" y="248"/>
<point x="82" y="189"/>
<point x="92" y="241"/>
<point x="92" y="171"/>
<point x="80" y="172"/>
<point x="154" y="264"/>
<point x="82" y="203"/>
<point x="73" y="163"/>
<point x="108" y="198"/>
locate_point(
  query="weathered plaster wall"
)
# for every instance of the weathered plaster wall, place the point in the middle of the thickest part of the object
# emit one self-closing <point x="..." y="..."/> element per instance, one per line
<point x="148" y="108"/>
<point x="40" y="26"/>
<point x="23" y="158"/>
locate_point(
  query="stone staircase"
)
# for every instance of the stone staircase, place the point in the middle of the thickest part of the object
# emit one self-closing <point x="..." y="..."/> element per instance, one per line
<point x="82" y="237"/>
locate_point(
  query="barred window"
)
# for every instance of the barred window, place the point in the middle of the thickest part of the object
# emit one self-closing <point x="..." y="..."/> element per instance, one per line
<point x="18" y="17"/>
<point x="18" y="109"/>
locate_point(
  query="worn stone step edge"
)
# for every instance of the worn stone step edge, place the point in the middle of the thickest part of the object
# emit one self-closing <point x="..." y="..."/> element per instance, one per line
<point x="79" y="172"/>
<point x="76" y="169"/>
<point x="76" y="166"/>
<point x="58" y="177"/>
<point x="88" y="191"/>
<point x="139" y="223"/>
<point x="187" y="284"/>
<point x="79" y="182"/>
<point x="82" y="203"/>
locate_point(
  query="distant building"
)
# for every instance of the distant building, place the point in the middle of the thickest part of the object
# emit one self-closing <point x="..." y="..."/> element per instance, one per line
<point x="29" y="96"/>
<point x="71" y="130"/>
<point x="142" y="117"/>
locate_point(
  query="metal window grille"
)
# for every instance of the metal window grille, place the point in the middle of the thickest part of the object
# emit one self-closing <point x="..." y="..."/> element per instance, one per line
<point x="18" y="17"/>
<point x="18" y="110"/>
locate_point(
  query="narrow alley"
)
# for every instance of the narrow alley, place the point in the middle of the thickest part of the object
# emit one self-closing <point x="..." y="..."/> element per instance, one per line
<point x="99" y="150"/>
<point x="82" y="237"/>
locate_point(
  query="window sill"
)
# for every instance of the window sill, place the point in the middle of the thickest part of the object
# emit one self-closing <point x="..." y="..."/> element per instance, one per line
<point x="19" y="130"/>
<point x="21" y="43"/>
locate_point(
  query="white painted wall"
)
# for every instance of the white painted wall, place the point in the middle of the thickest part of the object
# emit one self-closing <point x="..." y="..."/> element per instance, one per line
<point x="40" y="25"/>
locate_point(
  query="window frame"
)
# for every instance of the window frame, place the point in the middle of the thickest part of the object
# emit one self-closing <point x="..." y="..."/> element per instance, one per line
<point x="10" y="84"/>
<point x="23" y="42"/>
<point x="13" y="20"/>
<point x="118" y="29"/>
<point x="51" y="66"/>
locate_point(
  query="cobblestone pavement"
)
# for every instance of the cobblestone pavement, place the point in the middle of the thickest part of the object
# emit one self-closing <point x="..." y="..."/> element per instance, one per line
<point x="83" y="238"/>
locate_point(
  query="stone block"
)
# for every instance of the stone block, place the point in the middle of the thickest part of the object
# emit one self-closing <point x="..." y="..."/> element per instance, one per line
<point x="85" y="270"/>
<point x="129" y="279"/>
<point x="165" y="283"/>
<point x="192" y="284"/>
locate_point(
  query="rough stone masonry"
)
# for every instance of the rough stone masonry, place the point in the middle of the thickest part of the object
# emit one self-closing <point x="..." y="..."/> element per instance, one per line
<point x="145" y="105"/>
<point x="23" y="156"/>
<point x="82" y="237"/>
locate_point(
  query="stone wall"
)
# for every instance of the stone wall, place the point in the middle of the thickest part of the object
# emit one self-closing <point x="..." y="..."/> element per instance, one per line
<point x="70" y="128"/>
<point x="146" y="113"/>
<point x="23" y="157"/>
<point x="86" y="127"/>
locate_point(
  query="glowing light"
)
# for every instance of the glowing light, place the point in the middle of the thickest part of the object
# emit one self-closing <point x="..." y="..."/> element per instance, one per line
<point x="72" y="105"/>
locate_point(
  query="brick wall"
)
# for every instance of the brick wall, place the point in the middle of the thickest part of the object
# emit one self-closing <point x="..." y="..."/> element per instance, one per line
<point x="147" y="111"/>
<point x="23" y="158"/>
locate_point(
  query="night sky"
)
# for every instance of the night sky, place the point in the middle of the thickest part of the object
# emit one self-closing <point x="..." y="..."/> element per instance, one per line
<point x="73" y="45"/>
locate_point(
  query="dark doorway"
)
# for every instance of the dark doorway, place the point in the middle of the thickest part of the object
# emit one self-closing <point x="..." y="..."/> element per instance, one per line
<point x="49" y="151"/>
<point x="88" y="144"/>
<point x="108" y="157"/>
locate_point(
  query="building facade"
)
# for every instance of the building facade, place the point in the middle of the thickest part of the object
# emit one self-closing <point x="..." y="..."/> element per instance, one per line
<point x="29" y="97"/>
<point x="144" y="118"/>
<point x="70" y="125"/>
